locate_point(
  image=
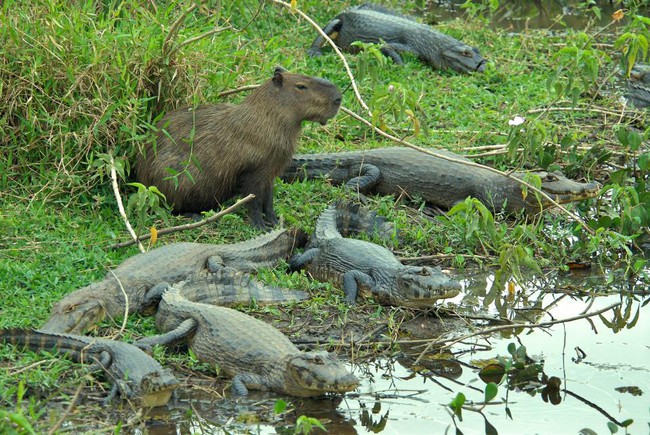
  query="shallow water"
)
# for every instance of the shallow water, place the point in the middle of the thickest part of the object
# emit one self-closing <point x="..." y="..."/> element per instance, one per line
<point x="394" y="399"/>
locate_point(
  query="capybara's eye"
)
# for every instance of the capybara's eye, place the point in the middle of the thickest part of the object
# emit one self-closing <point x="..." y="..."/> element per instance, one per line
<point x="301" y="86"/>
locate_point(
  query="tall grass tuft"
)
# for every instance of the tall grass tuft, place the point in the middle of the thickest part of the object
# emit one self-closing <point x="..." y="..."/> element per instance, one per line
<point x="77" y="80"/>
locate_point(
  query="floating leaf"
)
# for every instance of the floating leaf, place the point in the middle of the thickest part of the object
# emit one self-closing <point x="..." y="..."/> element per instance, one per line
<point x="492" y="373"/>
<point x="612" y="427"/>
<point x="491" y="390"/>
<point x="489" y="429"/>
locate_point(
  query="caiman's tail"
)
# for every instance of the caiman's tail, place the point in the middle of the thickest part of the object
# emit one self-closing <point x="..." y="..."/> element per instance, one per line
<point x="36" y="340"/>
<point x="349" y="218"/>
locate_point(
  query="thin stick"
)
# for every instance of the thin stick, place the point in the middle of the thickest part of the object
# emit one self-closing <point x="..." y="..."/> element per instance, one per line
<point x="67" y="412"/>
<point x="197" y="38"/>
<point x="189" y="226"/>
<point x="573" y="216"/>
<point x="336" y="50"/>
<point x="120" y="205"/>
<point x="175" y="27"/>
<point x="126" y="303"/>
<point x="234" y="91"/>
<point x="508" y="327"/>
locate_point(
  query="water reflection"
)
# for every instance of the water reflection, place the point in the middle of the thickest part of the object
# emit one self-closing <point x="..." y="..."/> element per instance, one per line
<point x="565" y="376"/>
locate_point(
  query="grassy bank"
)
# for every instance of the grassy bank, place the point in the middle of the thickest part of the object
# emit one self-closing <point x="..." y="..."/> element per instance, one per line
<point x="79" y="82"/>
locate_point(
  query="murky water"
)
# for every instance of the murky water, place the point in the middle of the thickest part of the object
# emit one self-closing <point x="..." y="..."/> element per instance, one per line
<point x="604" y="373"/>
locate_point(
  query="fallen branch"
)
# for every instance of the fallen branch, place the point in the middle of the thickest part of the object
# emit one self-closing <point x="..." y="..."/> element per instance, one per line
<point x="188" y="226"/>
<point x="120" y="206"/>
<point x="448" y="343"/>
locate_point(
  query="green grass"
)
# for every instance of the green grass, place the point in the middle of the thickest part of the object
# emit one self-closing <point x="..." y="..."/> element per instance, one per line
<point x="77" y="82"/>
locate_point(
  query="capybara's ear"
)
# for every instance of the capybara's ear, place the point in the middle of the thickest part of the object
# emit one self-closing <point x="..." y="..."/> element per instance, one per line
<point x="277" y="75"/>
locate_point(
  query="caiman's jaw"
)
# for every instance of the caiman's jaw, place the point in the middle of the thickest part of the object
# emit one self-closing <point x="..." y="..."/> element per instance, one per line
<point x="421" y="287"/>
<point x="464" y="59"/>
<point x="156" y="389"/>
<point x="74" y="317"/>
<point x="316" y="373"/>
<point x="563" y="190"/>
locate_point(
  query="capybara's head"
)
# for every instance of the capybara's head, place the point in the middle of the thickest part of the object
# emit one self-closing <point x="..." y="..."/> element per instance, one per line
<point x="311" y="98"/>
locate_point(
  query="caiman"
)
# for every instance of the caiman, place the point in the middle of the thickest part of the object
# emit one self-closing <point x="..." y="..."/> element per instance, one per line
<point x="638" y="86"/>
<point x="256" y="355"/>
<point x="135" y="375"/>
<point x="362" y="267"/>
<point x="83" y="308"/>
<point x="227" y="286"/>
<point x="395" y="170"/>
<point x="396" y="33"/>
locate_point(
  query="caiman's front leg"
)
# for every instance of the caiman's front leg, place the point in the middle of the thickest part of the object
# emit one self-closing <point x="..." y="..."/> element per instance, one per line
<point x="152" y="298"/>
<point x="390" y="50"/>
<point x="240" y="380"/>
<point x="331" y="29"/>
<point x="187" y="327"/>
<point x="352" y="279"/>
<point x="299" y="261"/>
<point x="366" y="177"/>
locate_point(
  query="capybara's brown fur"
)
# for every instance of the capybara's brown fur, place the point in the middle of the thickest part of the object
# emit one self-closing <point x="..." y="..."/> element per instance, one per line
<point x="232" y="150"/>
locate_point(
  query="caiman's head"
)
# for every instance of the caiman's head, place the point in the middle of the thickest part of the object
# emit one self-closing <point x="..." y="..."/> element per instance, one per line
<point x="155" y="388"/>
<point x="463" y="58"/>
<point x="561" y="189"/>
<point x="74" y="314"/>
<point x="317" y="373"/>
<point x="421" y="287"/>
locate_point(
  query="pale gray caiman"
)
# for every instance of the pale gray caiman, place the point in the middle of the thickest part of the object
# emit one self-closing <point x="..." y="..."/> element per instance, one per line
<point x="253" y="353"/>
<point x="362" y="267"/>
<point x="80" y="310"/>
<point x="379" y="25"/>
<point x="395" y="170"/>
<point x="135" y="375"/>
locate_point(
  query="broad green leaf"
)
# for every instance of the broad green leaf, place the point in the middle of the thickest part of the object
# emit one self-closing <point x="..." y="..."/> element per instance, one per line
<point x="280" y="406"/>
<point x="491" y="390"/>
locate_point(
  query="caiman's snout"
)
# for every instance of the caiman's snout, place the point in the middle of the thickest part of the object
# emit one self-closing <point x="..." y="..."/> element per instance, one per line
<point x="73" y="317"/>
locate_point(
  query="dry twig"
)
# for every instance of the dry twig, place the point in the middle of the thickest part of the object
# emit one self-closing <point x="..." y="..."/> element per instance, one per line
<point x="189" y="226"/>
<point x="120" y="205"/>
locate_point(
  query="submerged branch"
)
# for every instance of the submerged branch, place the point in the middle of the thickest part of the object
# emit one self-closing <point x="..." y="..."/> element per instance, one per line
<point x="447" y="342"/>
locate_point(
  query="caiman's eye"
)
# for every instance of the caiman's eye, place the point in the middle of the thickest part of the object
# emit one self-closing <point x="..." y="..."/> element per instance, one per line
<point x="424" y="272"/>
<point x="467" y="53"/>
<point x="318" y="360"/>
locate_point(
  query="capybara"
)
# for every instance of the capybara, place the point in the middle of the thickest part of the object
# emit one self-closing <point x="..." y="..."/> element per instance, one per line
<point x="235" y="149"/>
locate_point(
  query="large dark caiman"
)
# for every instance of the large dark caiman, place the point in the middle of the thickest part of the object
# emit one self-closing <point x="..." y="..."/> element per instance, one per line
<point x="85" y="307"/>
<point x="256" y="355"/>
<point x="370" y="23"/>
<point x="135" y="375"/>
<point x="362" y="267"/>
<point x="395" y="170"/>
